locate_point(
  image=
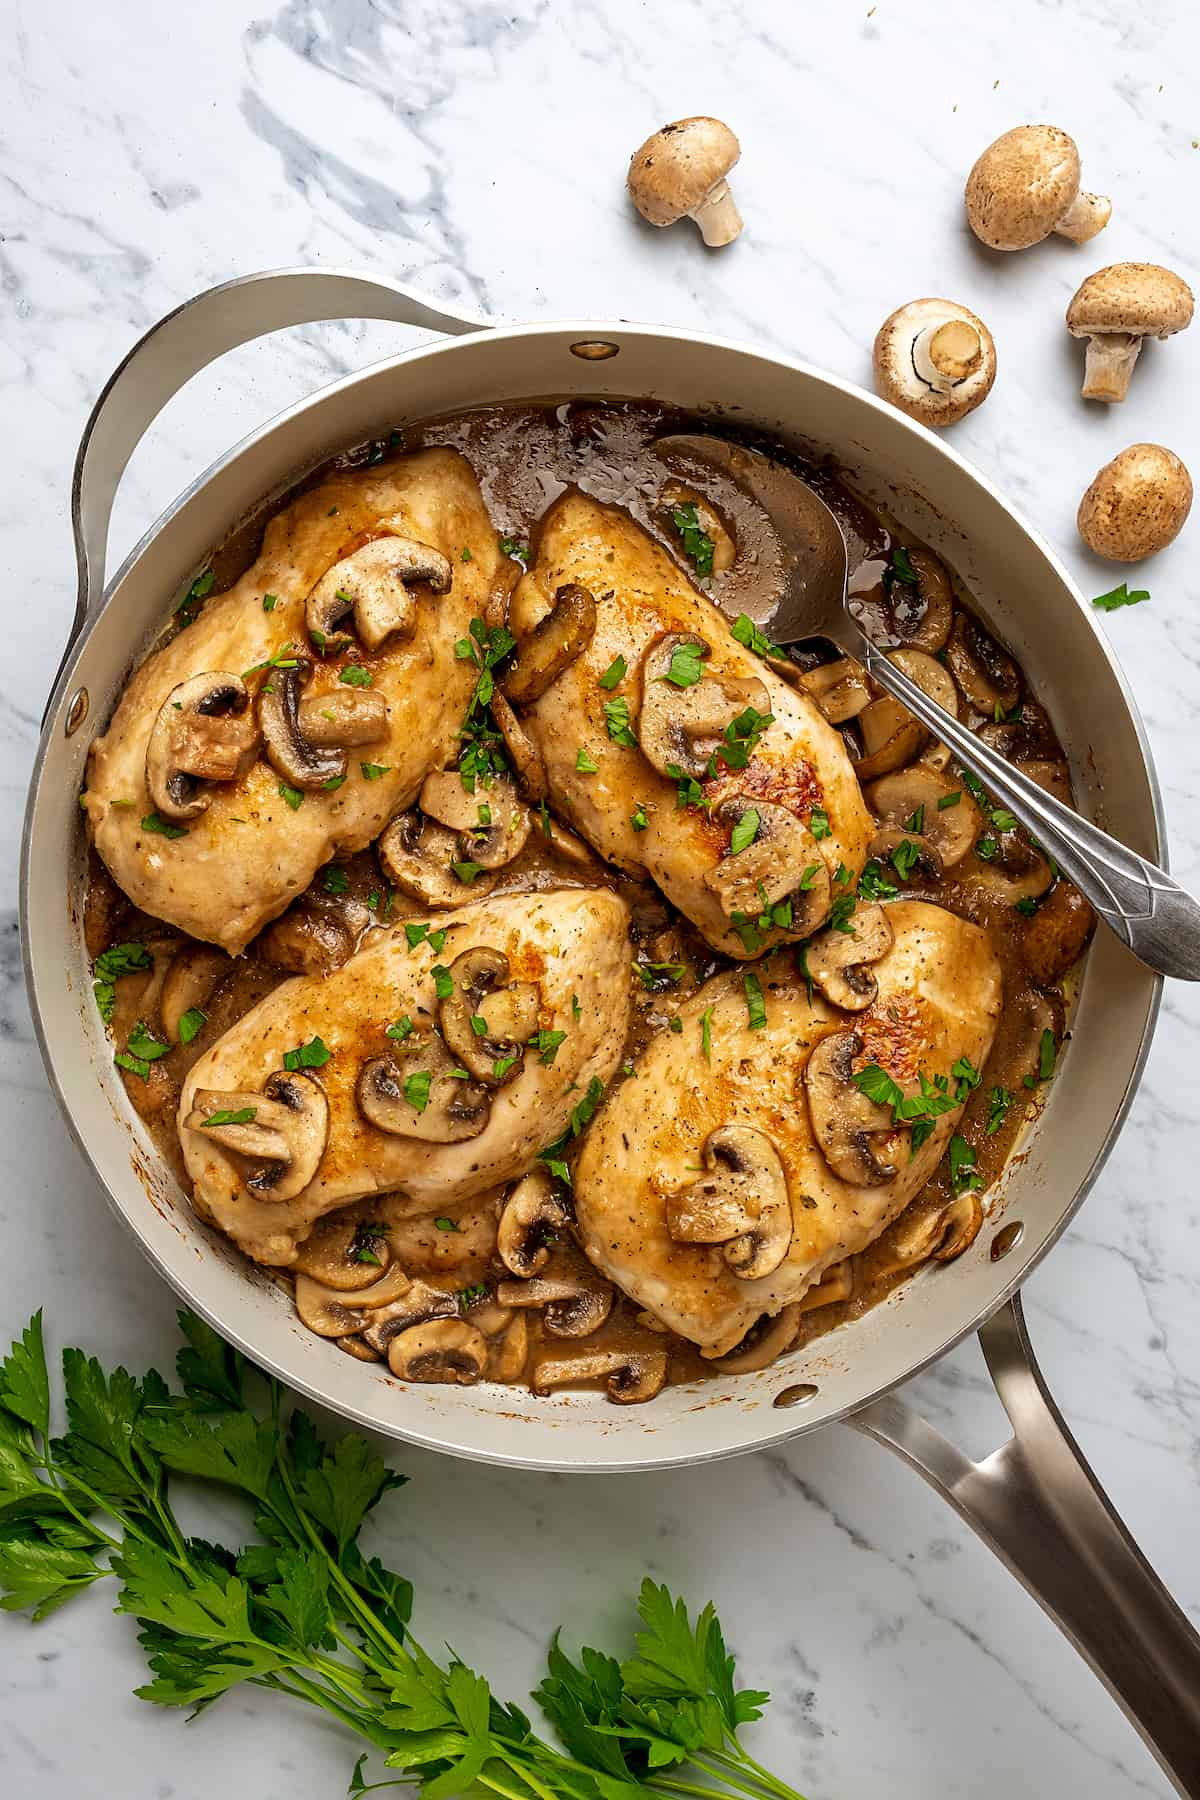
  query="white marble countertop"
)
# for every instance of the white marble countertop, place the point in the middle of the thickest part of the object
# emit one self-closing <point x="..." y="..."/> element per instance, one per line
<point x="479" y="150"/>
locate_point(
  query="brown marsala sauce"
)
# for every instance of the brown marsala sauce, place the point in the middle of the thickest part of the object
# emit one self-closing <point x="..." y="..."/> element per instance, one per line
<point x="524" y="457"/>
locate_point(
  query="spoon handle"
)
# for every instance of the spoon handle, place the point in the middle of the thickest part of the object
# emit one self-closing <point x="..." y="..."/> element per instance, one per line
<point x="1156" y="918"/>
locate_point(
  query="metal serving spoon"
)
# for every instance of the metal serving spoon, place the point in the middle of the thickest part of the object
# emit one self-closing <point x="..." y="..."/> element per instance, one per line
<point x="1148" y="911"/>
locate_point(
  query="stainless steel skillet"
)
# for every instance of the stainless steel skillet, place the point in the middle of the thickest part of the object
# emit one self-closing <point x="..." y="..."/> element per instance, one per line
<point x="1035" y="1501"/>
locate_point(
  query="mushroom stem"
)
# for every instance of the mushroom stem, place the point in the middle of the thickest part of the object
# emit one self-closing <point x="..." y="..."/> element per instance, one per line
<point x="1086" y="215"/>
<point x="717" y="216"/>
<point x="1109" y="365"/>
<point x="943" y="355"/>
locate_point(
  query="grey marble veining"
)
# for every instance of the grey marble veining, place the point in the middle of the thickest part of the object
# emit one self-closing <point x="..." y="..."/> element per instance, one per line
<point x="478" y="150"/>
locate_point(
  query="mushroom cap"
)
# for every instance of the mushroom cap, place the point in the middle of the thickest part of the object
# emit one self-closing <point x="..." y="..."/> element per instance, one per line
<point x="670" y="174"/>
<point x="1143" y="299"/>
<point x="1021" y="186"/>
<point x="1136" y="505"/>
<point x="896" y="377"/>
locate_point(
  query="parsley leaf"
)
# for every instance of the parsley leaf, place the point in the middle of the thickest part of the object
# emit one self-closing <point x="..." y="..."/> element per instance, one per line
<point x="698" y="547"/>
<point x="747" y="633"/>
<point x="335" y="880"/>
<point x="586" y="764"/>
<point x="416" y="1089"/>
<point x="616" y="717"/>
<point x="313" y="1055"/>
<point x="1120" y="596"/>
<point x="354" y="675"/>
<point x="163" y="827"/>
<point x="999" y="1101"/>
<point x="744" y="832"/>
<point x="819" y="824"/>
<point x="756" y="1006"/>
<point x="706" y="1033"/>
<point x="687" y="663"/>
<point x="191" y="1023"/>
<point x="614" y="673"/>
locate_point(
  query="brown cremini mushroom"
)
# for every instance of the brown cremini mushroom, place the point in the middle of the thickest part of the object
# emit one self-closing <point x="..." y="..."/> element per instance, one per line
<point x="1115" y="309"/>
<point x="439" y="1350"/>
<point x="573" y="1304"/>
<point x="417" y="1304"/>
<point x="740" y="1202"/>
<point x="373" y="583"/>
<point x="1137" y="504"/>
<point x="855" y="1135"/>
<point x="947" y="815"/>
<point x="491" y="1043"/>
<point x="552" y="646"/>
<point x="934" y="360"/>
<point x="839" y="961"/>
<point x="891" y="735"/>
<point x="1058" y="934"/>
<point x="633" y="1375"/>
<point x="281" y="1132"/>
<point x="987" y="676"/>
<point x="423" y="1095"/>
<point x="187" y="985"/>
<point x="680" y="173"/>
<point x="835" y="1286"/>
<point x="344" y="1253"/>
<point x="921" y="602"/>
<point x="1025" y="185"/>
<point x="781" y="862"/>
<point x="674" y="495"/>
<point x="767" y="1340"/>
<point x="204" y="733"/>
<point x="418" y="855"/>
<point x="680" y="727"/>
<point x="840" y="688"/>
<point x="334" y="1312"/>
<point x="527" y="760"/>
<point x="304" y="762"/>
<point x="492" y="824"/>
<point x="533" y="1216"/>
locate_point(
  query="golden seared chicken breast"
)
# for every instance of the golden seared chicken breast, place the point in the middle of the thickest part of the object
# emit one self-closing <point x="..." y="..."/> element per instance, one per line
<point x="743" y="1159"/>
<point x="302" y="709"/>
<point x="671" y="747"/>
<point x="437" y="1062"/>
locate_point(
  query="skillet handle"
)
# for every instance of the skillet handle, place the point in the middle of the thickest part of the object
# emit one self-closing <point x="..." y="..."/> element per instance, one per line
<point x="182" y="344"/>
<point x="1037" y="1504"/>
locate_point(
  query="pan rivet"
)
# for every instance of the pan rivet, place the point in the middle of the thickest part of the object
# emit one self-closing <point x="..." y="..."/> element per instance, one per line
<point x="800" y="1395"/>
<point x="595" y="350"/>
<point x="1007" y="1239"/>
<point x="77" y="712"/>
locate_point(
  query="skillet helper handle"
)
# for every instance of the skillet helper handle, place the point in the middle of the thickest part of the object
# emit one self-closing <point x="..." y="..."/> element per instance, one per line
<point x="1037" y="1504"/>
<point x="186" y="341"/>
<point x="1151" y="914"/>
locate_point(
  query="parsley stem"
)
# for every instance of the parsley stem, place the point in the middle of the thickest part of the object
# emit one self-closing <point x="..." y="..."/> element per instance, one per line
<point x="531" y="1781"/>
<point x="748" y="1769"/>
<point x="298" y="1687"/>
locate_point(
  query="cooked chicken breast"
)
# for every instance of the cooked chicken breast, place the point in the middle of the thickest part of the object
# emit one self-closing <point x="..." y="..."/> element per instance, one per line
<point x="566" y="972"/>
<point x="226" y="872"/>
<point x="939" y="994"/>
<point x="623" y="802"/>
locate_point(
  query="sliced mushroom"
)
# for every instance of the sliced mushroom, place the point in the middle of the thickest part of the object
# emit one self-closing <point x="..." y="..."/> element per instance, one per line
<point x="856" y="1137"/>
<point x="323" y="1312"/>
<point x="373" y="584"/>
<point x="572" y="1305"/>
<point x="347" y="718"/>
<point x="188" y="983"/>
<point x="838" y="961"/>
<point x="835" y="1286"/>
<point x="680" y="728"/>
<point x="355" y="1347"/>
<point x="951" y="824"/>
<point x="676" y="494"/>
<point x="509" y="1353"/>
<point x="961" y="1222"/>
<point x="302" y="762"/>
<point x="523" y="753"/>
<point x="782" y="862"/>
<point x="492" y="824"/>
<point x="417" y="856"/>
<point x="552" y="646"/>
<point x="987" y="677"/>
<point x="891" y="735"/>
<point x="926" y="857"/>
<point x="495" y="1053"/>
<point x="1058" y="934"/>
<point x="533" y="1216"/>
<point x="841" y="689"/>
<point x="419" y="1303"/>
<point x="332" y="1254"/>
<point x="284" y="1137"/>
<point x="312" y="1296"/>
<point x="740" y="1202"/>
<point x="919" y="1236"/>
<point x="306" y="940"/>
<point x="922" y="610"/>
<point x="767" y="1340"/>
<point x="633" y="1375"/>
<point x="440" y="1350"/>
<point x="446" y="1110"/>
<point x="204" y="733"/>
<point x="1019" y="873"/>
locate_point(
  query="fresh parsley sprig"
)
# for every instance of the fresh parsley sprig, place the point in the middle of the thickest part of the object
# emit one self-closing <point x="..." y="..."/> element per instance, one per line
<point x="302" y="1611"/>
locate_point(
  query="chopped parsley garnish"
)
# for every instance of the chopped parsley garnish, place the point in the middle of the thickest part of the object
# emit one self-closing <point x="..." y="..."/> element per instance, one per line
<point x="270" y="602"/>
<point x="479" y="1025"/>
<point x="842" y="875"/>
<point x="1047" y="1058"/>
<point x="905" y="857"/>
<point x="584" y="1112"/>
<point x="687" y="664"/>
<point x="873" y="884"/>
<point x="585" y="764"/>
<point x="915" y="820"/>
<point x="445" y="1224"/>
<point x="145" y="1047"/>
<point x="740" y="739"/>
<point x="698" y="547"/>
<point x="466" y="871"/>
<point x="987" y="847"/>
<point x="242" y="1115"/>
<point x="962" y="1165"/>
<point x="282" y="659"/>
<point x="443" y="981"/>
<point x="466" y="555"/>
<point x="775" y="916"/>
<point x="659" y="975"/>
<point x="187" y="609"/>
<point x="1002" y="819"/>
<point x="334" y="782"/>
<point x="805" y="971"/>
<point x="335" y="880"/>
<point x="401" y="1029"/>
<point x="1027" y="905"/>
<point x="191" y="1023"/>
<point x="483" y="813"/>
<point x="1120" y="596"/>
<point x="900" y="568"/>
<point x="638" y="818"/>
<point x="292" y="795"/>
<point x="945" y="800"/>
<point x="676" y="1025"/>
<point x="547" y="1043"/>
<point x="510" y="546"/>
<point x="164" y="827"/>
<point x="483" y="746"/>
<point x="416" y="1093"/>
<point x="313" y="1055"/>
<point x="744" y="832"/>
<point x="688" y="791"/>
<point x="999" y="1101"/>
<point x="614" y="673"/>
<point x="616" y="717"/>
<point x="354" y="675"/>
<point x="374" y="771"/>
<point x="819" y="824"/>
<point x="922" y="1109"/>
<point x="576" y="1009"/>
<point x="809" y="876"/>
<point x="420" y="934"/>
<point x="502" y="1065"/>
<point x="841" y="913"/>
<point x="706" y="1033"/>
<point x="471" y="1296"/>
<point x="108" y="968"/>
<point x="747" y="633"/>
<point x="756" y="1006"/>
